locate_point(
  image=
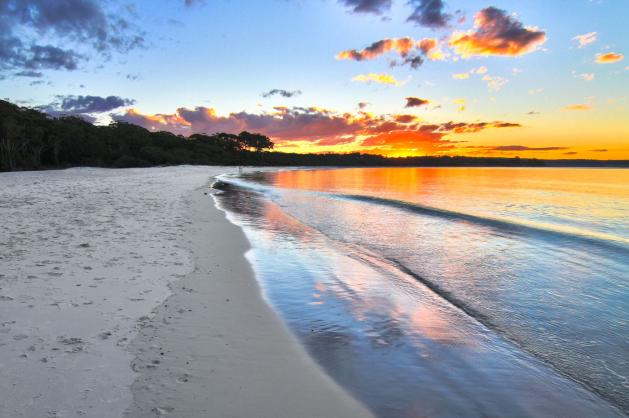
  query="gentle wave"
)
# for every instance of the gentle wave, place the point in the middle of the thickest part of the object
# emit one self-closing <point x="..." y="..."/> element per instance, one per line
<point x="613" y="242"/>
<point x="508" y="225"/>
<point x="288" y="200"/>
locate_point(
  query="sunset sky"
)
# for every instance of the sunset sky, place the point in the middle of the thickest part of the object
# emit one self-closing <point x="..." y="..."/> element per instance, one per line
<point x="538" y="78"/>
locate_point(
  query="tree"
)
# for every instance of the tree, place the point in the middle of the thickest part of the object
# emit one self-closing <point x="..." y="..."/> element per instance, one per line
<point x="257" y="142"/>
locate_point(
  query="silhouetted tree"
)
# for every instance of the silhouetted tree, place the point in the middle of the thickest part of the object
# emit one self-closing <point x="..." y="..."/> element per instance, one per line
<point x="30" y="139"/>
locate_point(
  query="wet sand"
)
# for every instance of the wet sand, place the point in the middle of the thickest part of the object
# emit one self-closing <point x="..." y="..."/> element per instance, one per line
<point x="115" y="302"/>
<point x="215" y="348"/>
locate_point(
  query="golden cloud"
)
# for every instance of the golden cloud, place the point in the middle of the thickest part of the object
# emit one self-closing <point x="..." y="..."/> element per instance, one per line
<point x="578" y="107"/>
<point x="398" y="133"/>
<point x="411" y="50"/>
<point x="609" y="58"/>
<point x="379" y="79"/>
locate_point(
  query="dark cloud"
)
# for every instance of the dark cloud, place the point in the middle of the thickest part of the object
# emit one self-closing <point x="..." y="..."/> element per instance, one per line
<point x="414" y="61"/>
<point x="49" y="57"/>
<point x="506" y="125"/>
<point x="377" y="7"/>
<point x="281" y="92"/>
<point x="523" y="148"/>
<point x="496" y="33"/>
<point x="28" y="73"/>
<point x="84" y="105"/>
<point x="416" y="102"/>
<point x="429" y="13"/>
<point x="599" y="150"/>
<point x="405" y="118"/>
<point x="465" y="127"/>
<point x="362" y="105"/>
<point x="570" y="153"/>
<point x="68" y="25"/>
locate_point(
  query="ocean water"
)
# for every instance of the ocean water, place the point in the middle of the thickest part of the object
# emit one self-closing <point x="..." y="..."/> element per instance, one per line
<point x="440" y="292"/>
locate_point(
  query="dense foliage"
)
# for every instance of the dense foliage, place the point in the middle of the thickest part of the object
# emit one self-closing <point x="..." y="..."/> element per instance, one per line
<point x="30" y="139"/>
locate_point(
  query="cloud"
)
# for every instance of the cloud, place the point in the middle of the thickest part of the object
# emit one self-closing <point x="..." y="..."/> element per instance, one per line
<point x="430" y="48"/>
<point x="587" y="76"/>
<point x="378" y="78"/>
<point x="411" y="51"/>
<point x="599" y="150"/>
<point x="461" y="76"/>
<point x="464" y="76"/>
<point x="297" y="123"/>
<point x="79" y="105"/>
<point x="377" y="7"/>
<point x="69" y="26"/>
<point x="401" y="45"/>
<point x="426" y="138"/>
<point x="422" y="139"/>
<point x="289" y="127"/>
<point x="578" y="107"/>
<point x="464" y="127"/>
<point x="14" y="55"/>
<point x="405" y="118"/>
<point x="429" y="13"/>
<point x="362" y="105"/>
<point x="414" y="61"/>
<point x="495" y="83"/>
<point x="609" y="58"/>
<point x="28" y="73"/>
<point x="496" y="33"/>
<point x="281" y="92"/>
<point x="510" y="148"/>
<point x="461" y="103"/>
<point x="585" y="39"/>
<point x="416" y="102"/>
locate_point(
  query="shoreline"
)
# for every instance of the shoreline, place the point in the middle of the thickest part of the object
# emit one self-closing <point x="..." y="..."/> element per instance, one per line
<point x="242" y="360"/>
<point x="88" y="255"/>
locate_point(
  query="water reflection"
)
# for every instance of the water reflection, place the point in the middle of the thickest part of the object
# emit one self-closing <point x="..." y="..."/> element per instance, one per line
<point x="563" y="297"/>
<point x="394" y="343"/>
<point x="587" y="201"/>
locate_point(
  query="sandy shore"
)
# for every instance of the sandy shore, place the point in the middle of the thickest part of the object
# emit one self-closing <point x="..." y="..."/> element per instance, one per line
<point x="114" y="302"/>
<point x="216" y="349"/>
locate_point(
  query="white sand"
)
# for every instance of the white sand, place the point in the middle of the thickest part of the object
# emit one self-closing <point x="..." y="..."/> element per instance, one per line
<point x="87" y="257"/>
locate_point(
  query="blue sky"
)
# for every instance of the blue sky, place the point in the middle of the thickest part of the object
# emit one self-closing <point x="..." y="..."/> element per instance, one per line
<point x="224" y="54"/>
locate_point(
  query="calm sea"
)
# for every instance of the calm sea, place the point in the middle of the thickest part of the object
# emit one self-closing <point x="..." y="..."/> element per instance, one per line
<point x="440" y="292"/>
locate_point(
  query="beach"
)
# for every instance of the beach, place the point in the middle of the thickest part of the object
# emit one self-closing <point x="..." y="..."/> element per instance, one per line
<point x="127" y="293"/>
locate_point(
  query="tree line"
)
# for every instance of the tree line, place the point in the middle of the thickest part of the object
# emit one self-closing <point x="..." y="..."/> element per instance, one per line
<point x="32" y="140"/>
